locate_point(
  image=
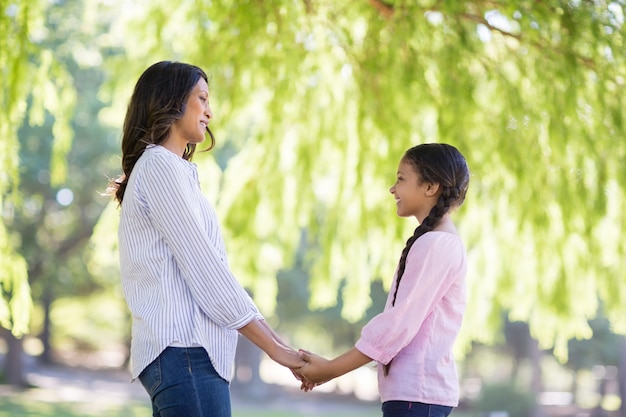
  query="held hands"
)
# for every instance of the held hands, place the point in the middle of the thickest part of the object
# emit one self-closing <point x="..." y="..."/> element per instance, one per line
<point x="296" y="362"/>
<point x="316" y="370"/>
<point x="292" y="360"/>
<point x="261" y="334"/>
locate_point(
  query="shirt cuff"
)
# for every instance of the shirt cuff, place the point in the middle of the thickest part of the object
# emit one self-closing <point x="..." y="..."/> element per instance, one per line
<point x="236" y="325"/>
<point x="375" y="354"/>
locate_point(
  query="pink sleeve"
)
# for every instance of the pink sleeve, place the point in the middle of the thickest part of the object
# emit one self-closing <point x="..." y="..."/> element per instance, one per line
<point x="425" y="281"/>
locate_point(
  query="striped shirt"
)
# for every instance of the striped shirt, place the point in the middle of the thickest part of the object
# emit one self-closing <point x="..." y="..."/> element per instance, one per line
<point x="174" y="270"/>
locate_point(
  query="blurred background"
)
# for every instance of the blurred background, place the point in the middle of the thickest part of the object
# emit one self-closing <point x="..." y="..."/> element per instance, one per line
<point x="315" y="102"/>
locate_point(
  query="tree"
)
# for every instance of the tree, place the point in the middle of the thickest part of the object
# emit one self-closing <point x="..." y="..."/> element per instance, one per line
<point x="55" y="207"/>
<point x="316" y="102"/>
<point x="320" y="99"/>
<point x="602" y="352"/>
<point x="29" y="71"/>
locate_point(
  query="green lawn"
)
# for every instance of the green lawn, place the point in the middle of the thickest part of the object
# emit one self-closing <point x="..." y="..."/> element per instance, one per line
<point x="21" y="404"/>
<point x="18" y="405"/>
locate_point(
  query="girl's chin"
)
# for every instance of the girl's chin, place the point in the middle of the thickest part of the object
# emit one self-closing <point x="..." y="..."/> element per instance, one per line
<point x="401" y="213"/>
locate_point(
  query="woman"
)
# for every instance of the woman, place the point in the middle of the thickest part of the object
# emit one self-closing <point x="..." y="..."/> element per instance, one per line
<point x="187" y="307"/>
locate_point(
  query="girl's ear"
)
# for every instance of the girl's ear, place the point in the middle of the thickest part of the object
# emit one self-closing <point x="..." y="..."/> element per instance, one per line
<point x="432" y="189"/>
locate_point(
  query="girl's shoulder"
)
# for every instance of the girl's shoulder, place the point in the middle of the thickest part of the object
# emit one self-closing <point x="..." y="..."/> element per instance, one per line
<point x="442" y="236"/>
<point x="437" y="248"/>
<point x="439" y="241"/>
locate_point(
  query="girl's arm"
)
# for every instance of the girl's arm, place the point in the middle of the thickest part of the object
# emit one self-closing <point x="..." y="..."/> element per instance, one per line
<point x="320" y="370"/>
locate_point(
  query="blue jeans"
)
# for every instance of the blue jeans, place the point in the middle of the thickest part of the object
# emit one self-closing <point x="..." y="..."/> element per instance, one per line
<point x="183" y="382"/>
<point x="411" y="409"/>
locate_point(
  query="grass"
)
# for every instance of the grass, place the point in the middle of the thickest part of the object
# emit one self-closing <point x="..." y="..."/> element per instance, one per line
<point x="13" y="407"/>
<point x="19" y="404"/>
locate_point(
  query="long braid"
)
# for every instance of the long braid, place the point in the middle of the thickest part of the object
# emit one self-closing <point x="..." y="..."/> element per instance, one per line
<point x="453" y="194"/>
<point x="426" y="226"/>
<point x="447" y="197"/>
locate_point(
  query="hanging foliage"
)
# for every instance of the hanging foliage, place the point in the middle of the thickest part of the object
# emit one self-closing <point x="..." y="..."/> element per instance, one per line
<point x="316" y="101"/>
<point x="32" y="79"/>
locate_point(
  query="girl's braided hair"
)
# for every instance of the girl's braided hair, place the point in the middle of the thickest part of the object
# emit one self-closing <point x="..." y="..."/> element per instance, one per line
<point x="435" y="163"/>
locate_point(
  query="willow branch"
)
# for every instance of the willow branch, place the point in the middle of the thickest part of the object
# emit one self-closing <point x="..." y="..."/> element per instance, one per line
<point x="385" y="9"/>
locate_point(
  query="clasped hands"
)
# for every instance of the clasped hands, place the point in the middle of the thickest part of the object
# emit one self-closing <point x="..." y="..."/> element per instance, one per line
<point x="315" y="371"/>
<point x="312" y="370"/>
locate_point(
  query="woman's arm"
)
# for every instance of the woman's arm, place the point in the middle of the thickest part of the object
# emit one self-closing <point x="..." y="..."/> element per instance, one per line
<point x="275" y="335"/>
<point x="259" y="333"/>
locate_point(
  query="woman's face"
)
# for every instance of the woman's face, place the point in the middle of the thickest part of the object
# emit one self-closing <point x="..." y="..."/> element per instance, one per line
<point x="192" y="127"/>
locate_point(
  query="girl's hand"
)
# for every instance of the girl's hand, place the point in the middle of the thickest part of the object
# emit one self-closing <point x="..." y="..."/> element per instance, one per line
<point x="317" y="370"/>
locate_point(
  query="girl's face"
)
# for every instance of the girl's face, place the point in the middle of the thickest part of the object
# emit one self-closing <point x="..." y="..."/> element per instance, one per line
<point x="414" y="197"/>
<point x="191" y="128"/>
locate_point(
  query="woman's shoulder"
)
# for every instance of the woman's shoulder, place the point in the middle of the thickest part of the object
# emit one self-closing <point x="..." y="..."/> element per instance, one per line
<point x="156" y="152"/>
<point x="157" y="158"/>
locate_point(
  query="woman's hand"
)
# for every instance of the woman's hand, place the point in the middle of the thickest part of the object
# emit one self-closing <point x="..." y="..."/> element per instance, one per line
<point x="288" y="357"/>
<point x="261" y="334"/>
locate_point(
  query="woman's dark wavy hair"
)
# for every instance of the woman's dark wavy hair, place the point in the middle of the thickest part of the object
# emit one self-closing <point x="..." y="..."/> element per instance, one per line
<point x="159" y="99"/>
<point x="435" y="163"/>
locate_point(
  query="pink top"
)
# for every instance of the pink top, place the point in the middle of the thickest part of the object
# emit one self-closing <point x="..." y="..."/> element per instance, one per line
<point x="419" y="331"/>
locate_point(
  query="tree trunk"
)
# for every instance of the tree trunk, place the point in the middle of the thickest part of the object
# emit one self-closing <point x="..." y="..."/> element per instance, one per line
<point x="574" y="388"/>
<point x="46" y="302"/>
<point x="536" y="384"/>
<point x="14" y="361"/>
<point x="247" y="374"/>
<point x="621" y="376"/>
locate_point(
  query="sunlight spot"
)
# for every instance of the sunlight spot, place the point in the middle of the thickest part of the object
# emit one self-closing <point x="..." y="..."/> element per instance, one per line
<point x="483" y="32"/>
<point x="434" y="17"/>
<point x="617" y="12"/>
<point x="271" y="28"/>
<point x="87" y="57"/>
<point x="346" y="71"/>
<point x="65" y="196"/>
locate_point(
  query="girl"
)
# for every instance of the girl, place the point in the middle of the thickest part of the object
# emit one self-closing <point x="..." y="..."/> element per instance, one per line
<point x="186" y="305"/>
<point x="412" y="338"/>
